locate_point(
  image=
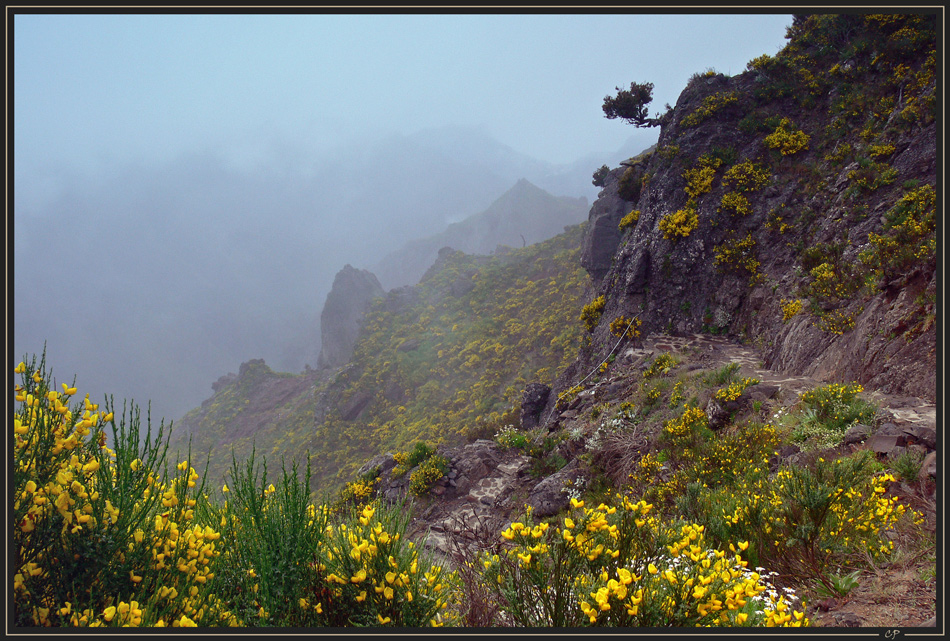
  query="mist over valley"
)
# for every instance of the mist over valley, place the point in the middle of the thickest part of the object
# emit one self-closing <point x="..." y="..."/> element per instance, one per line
<point x="174" y="274"/>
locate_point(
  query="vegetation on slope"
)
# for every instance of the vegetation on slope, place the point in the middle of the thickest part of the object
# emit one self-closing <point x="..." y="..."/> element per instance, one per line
<point x="795" y="204"/>
<point x="452" y="363"/>
<point x="127" y="537"/>
<point x="258" y="409"/>
<point x="682" y="509"/>
<point x="116" y="538"/>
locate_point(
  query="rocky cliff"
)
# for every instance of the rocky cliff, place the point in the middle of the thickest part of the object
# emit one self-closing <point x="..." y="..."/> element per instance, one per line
<point x="340" y="321"/>
<point x="791" y="207"/>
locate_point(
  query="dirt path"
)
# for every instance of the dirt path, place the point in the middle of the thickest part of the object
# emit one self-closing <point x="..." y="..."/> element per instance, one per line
<point x="907" y="409"/>
<point x="897" y="595"/>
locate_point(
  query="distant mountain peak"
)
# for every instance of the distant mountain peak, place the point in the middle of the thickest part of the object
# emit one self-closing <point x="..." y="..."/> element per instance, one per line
<point x="524" y="214"/>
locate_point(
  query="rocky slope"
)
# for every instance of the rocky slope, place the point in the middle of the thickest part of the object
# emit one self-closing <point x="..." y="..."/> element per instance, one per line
<point x="440" y="361"/>
<point x="771" y="209"/>
<point x="489" y="484"/>
<point x="785" y="223"/>
<point x="783" y="230"/>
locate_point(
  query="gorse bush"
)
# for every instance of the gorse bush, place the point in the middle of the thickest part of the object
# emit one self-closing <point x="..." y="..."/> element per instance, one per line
<point x="428" y="472"/>
<point x="630" y="220"/>
<point x="104" y="539"/>
<point x="787" y="139"/>
<point x="102" y="536"/>
<point x="699" y="179"/>
<point x="909" y="234"/>
<point x="617" y="565"/>
<point x="112" y="537"/>
<point x="592" y="312"/>
<point x="709" y="107"/>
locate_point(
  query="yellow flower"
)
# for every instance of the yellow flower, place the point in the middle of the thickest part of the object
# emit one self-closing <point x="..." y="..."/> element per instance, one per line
<point x="383" y="620"/>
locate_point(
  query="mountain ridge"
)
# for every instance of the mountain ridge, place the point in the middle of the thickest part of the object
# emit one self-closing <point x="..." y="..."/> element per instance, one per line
<point x="524" y="214"/>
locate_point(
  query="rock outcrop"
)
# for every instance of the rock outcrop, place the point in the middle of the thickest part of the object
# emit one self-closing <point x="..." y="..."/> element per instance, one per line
<point x="729" y="235"/>
<point x="352" y="293"/>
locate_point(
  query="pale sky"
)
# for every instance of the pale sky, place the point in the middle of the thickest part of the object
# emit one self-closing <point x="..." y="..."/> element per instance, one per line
<point x="112" y="88"/>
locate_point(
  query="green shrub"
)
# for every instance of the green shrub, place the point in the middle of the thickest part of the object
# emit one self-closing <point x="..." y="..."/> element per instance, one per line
<point x="428" y="472"/>
<point x="630" y="220"/>
<point x="592" y="312"/>
<point x="619" y="566"/>
<point x="710" y="106"/>
<point x="104" y="536"/>
<point x="909" y="236"/>
<point x="661" y="365"/>
<point x="787" y="139"/>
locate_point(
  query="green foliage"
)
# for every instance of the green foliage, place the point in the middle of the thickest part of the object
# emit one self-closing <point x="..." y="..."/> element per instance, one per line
<point x="104" y="539"/>
<point x="600" y="175"/>
<point x="747" y="176"/>
<point x="723" y="375"/>
<point x="631" y="183"/>
<point x="660" y="366"/>
<point x="734" y="390"/>
<point x="428" y="472"/>
<point x="806" y="522"/>
<point x="909" y="236"/>
<point x="838" y="585"/>
<point x="592" y="312"/>
<point x="267" y="531"/>
<point x="630" y="220"/>
<point x="470" y="358"/>
<point x="787" y="139"/>
<point x="830" y="513"/>
<point x="619" y="566"/>
<point x="103" y="536"/>
<point x="630" y="105"/>
<point x="406" y="461"/>
<point x="829" y="276"/>
<point x="735" y="203"/>
<point x="738" y="254"/>
<point x="838" y="406"/>
<point x="710" y="105"/>
<point x="699" y="178"/>
<point x="682" y="430"/>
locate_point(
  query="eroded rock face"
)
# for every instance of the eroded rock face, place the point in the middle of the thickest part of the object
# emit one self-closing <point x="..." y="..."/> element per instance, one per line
<point x="683" y="283"/>
<point x="533" y="400"/>
<point x="603" y="235"/>
<point x="349" y="299"/>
